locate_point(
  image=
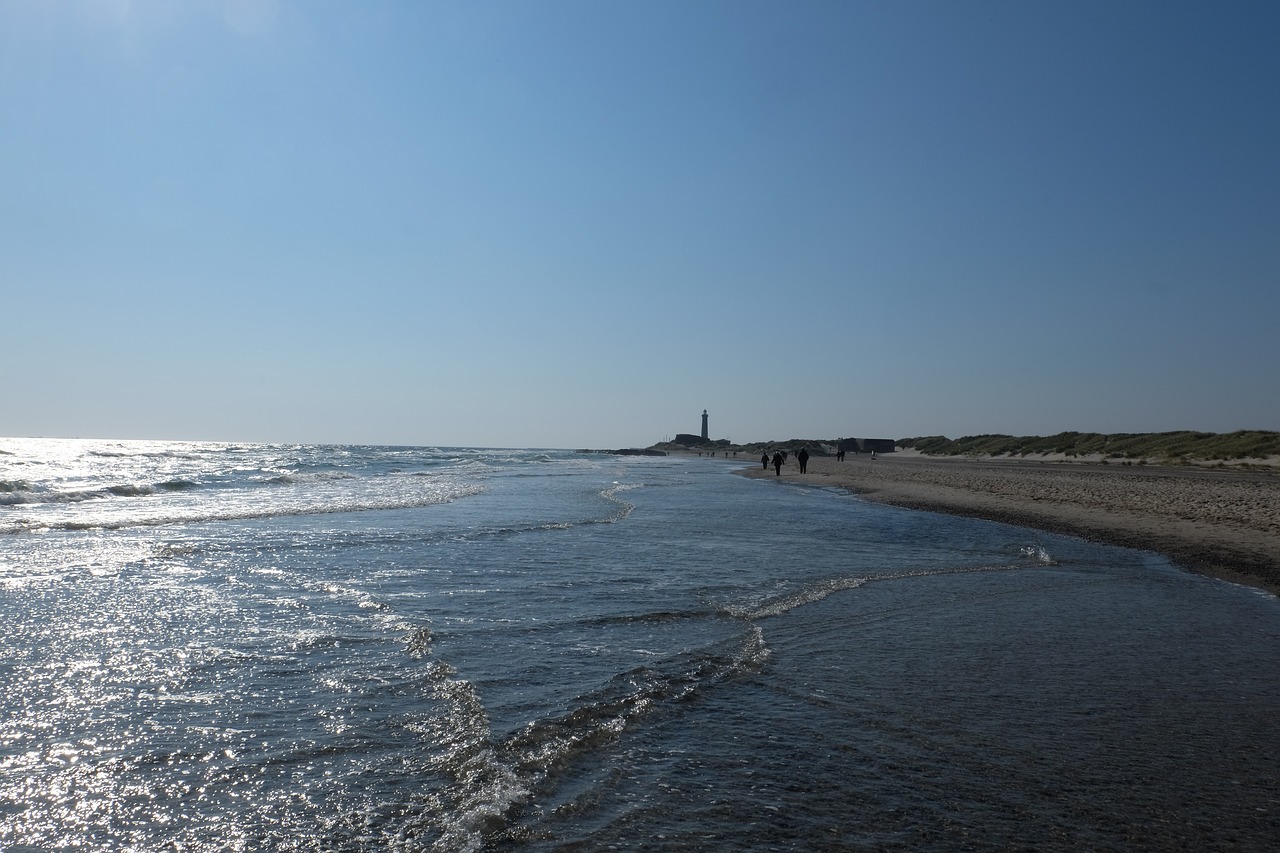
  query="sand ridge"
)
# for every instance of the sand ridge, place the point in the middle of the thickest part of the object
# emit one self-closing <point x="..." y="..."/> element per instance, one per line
<point x="1220" y="522"/>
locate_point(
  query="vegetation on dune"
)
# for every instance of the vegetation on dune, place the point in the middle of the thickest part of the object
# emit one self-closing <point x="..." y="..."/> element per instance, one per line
<point x="1175" y="446"/>
<point x="1158" y="447"/>
<point x="815" y="446"/>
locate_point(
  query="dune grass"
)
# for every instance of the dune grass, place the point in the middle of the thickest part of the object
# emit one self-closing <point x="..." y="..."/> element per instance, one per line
<point x="1172" y="446"/>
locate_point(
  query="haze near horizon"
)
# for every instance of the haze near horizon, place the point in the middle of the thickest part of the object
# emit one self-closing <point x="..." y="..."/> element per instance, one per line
<point x="574" y="224"/>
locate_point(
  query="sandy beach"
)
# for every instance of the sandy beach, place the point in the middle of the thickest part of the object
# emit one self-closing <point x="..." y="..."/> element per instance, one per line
<point x="1218" y="522"/>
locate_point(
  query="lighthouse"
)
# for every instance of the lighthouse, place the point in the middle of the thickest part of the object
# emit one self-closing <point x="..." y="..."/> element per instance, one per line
<point x="704" y="425"/>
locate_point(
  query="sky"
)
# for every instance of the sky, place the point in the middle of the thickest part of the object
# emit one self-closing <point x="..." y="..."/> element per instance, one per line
<point x="573" y="223"/>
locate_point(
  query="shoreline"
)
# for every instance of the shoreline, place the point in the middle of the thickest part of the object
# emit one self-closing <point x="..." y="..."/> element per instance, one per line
<point x="1222" y="523"/>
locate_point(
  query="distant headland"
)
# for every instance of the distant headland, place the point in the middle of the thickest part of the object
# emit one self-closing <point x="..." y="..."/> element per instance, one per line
<point x="703" y="445"/>
<point x="1182" y="447"/>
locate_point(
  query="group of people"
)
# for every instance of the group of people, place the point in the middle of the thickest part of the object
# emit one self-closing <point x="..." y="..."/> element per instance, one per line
<point x="780" y="457"/>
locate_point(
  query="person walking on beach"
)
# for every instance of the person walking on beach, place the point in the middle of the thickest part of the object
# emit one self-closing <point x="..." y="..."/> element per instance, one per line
<point x="777" y="462"/>
<point x="764" y="460"/>
<point x="803" y="458"/>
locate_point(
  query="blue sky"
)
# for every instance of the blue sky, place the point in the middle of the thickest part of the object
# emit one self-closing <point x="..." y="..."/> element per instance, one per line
<point x="578" y="224"/>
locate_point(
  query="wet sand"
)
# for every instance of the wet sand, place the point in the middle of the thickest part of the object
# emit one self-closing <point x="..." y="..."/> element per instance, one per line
<point x="1218" y="522"/>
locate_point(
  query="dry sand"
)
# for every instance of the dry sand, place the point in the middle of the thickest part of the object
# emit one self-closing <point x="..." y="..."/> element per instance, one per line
<point x="1222" y="523"/>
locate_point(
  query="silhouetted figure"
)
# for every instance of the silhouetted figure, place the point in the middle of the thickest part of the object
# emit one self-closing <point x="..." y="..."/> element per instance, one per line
<point x="777" y="462"/>
<point x="840" y="455"/>
<point x="764" y="460"/>
<point x="803" y="458"/>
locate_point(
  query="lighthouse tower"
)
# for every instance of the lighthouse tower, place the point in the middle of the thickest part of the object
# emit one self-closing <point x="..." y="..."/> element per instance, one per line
<point x="704" y="425"/>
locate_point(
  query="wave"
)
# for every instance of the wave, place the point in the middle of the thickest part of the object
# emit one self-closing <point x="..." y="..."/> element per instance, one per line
<point x="162" y="516"/>
<point x="140" y="454"/>
<point x="493" y="780"/>
<point x="625" y="507"/>
<point x="785" y="603"/>
<point x="13" y="492"/>
<point x="130" y="491"/>
<point x="292" y="478"/>
<point x="657" y="617"/>
<point x="1038" y="553"/>
<point x="22" y="492"/>
<point x="484" y="787"/>
<point x="815" y="591"/>
<point x="37" y="496"/>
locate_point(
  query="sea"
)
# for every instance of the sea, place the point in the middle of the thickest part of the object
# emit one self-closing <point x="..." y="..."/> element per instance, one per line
<point x="250" y="647"/>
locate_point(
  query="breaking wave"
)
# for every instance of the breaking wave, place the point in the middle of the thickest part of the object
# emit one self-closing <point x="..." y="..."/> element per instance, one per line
<point x="816" y="591"/>
<point x="151" y="515"/>
<point x="625" y="506"/>
<point x="493" y="780"/>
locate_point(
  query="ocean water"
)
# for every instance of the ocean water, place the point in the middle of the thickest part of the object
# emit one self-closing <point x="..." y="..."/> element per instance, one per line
<point x="250" y="647"/>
